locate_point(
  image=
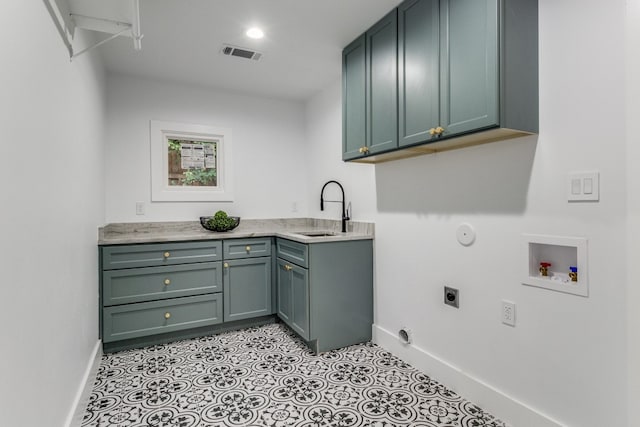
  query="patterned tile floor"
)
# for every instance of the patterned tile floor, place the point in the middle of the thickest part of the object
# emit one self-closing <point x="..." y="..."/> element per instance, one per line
<point x="265" y="376"/>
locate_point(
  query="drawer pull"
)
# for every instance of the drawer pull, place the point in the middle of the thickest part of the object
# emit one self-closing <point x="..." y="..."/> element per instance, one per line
<point x="167" y="315"/>
<point x="167" y="282"/>
<point x="288" y="267"/>
<point x="248" y="248"/>
<point x="167" y="254"/>
<point x="225" y="265"/>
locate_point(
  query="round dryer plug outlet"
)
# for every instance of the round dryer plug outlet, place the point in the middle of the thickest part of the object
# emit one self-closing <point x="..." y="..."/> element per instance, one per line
<point x="465" y="234"/>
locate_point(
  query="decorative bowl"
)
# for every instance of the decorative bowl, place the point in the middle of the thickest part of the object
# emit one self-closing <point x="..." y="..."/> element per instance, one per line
<point x="204" y="221"/>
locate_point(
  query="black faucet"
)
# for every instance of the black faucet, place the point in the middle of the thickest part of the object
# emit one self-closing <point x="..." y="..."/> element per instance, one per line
<point x="345" y="217"/>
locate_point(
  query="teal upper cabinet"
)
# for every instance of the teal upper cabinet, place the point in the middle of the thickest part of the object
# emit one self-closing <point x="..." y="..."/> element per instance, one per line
<point x="467" y="73"/>
<point x="382" y="85"/>
<point x="468" y="66"/>
<point x="370" y="91"/>
<point x="353" y="99"/>
<point x="418" y="70"/>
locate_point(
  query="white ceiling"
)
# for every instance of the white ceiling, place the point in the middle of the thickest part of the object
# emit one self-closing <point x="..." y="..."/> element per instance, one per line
<point x="182" y="41"/>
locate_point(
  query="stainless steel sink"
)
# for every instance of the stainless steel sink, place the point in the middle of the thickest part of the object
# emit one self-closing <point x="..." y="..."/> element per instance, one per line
<point x="316" y="233"/>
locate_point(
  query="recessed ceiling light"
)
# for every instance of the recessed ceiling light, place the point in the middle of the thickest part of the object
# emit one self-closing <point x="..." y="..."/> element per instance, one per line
<point x="255" y="33"/>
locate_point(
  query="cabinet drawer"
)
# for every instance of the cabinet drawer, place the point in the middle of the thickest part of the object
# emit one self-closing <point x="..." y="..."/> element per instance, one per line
<point x="297" y="253"/>
<point x="157" y="317"/>
<point x="154" y="283"/>
<point x="247" y="248"/>
<point x="157" y="254"/>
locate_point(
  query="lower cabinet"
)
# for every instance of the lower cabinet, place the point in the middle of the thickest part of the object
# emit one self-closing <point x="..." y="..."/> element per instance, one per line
<point x="247" y="288"/>
<point x="156" y="292"/>
<point x="325" y="291"/>
<point x="293" y="296"/>
<point x="149" y="318"/>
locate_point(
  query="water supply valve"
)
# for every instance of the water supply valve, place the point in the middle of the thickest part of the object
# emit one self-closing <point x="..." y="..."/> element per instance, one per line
<point x="544" y="268"/>
<point x="573" y="274"/>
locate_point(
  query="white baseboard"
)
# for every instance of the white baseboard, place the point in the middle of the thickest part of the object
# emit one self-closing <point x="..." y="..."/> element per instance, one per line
<point x="508" y="409"/>
<point x="74" y="419"/>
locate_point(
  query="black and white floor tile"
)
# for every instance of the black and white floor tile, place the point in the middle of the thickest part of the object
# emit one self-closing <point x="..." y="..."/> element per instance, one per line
<point x="265" y="376"/>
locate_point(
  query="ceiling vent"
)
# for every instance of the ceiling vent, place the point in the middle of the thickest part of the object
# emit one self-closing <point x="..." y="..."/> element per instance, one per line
<point x="241" y="52"/>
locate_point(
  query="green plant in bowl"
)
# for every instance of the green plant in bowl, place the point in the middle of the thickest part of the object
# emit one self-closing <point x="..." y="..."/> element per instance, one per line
<point x="220" y="222"/>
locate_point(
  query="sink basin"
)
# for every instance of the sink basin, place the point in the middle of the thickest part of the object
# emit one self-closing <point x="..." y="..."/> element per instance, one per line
<point x="316" y="233"/>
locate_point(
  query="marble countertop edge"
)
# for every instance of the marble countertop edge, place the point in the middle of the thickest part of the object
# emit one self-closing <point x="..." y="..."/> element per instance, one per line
<point x="179" y="231"/>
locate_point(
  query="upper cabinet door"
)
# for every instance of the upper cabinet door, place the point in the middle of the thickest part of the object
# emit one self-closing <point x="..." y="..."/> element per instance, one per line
<point x="469" y="65"/>
<point x="353" y="99"/>
<point x="418" y="70"/>
<point x="382" y="84"/>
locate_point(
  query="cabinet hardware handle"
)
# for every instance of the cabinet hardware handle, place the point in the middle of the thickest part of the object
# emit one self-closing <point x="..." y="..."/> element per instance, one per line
<point x="361" y="150"/>
<point x="225" y="265"/>
<point x="167" y="254"/>
<point x="167" y="315"/>
<point x="439" y="130"/>
<point x="288" y="267"/>
<point x="248" y="248"/>
<point x="167" y="282"/>
<point x="432" y="131"/>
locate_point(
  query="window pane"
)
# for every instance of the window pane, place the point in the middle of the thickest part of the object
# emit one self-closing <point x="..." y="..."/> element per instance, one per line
<point x="193" y="163"/>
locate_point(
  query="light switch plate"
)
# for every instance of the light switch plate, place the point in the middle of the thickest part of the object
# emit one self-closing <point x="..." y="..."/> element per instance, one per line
<point x="583" y="186"/>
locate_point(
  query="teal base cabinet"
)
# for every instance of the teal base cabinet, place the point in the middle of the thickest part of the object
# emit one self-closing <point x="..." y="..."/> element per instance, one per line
<point x="325" y="291"/>
<point x="150" y="318"/>
<point x="157" y="292"/>
<point x="247" y="288"/>
<point x="293" y="297"/>
<point x="247" y="278"/>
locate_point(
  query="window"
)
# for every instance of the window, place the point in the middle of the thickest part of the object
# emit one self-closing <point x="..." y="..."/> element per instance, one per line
<point x="190" y="162"/>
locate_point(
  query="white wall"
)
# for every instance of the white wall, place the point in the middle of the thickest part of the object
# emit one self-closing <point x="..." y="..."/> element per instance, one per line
<point x="324" y="160"/>
<point x="566" y="358"/>
<point x="633" y="199"/>
<point x="268" y="149"/>
<point x="51" y="203"/>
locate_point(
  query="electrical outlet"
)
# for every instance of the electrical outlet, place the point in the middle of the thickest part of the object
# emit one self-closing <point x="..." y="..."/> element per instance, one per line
<point x="451" y="297"/>
<point x="139" y="208"/>
<point x="509" y="313"/>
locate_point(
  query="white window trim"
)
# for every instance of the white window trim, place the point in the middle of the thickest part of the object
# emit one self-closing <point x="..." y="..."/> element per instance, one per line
<point x="159" y="132"/>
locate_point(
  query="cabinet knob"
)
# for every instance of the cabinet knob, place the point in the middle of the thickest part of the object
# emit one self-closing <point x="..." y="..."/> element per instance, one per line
<point x="167" y="282"/>
<point x="167" y="315"/>
<point x="439" y="130"/>
<point x="248" y="249"/>
<point x="288" y="267"/>
<point x="432" y="131"/>
<point x="166" y="254"/>
<point x="363" y="150"/>
<point x="225" y="265"/>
